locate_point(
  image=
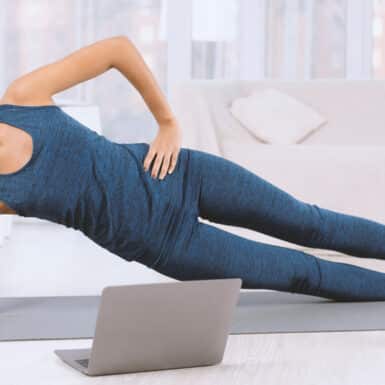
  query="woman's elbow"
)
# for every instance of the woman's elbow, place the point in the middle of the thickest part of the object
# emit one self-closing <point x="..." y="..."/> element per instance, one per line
<point x="18" y="91"/>
<point x="122" y="38"/>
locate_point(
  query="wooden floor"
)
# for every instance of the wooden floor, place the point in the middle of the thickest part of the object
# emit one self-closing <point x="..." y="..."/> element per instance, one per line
<point x="294" y="358"/>
<point x="54" y="260"/>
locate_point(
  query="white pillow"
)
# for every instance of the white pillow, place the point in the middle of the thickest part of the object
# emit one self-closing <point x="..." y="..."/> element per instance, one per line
<point x="275" y="117"/>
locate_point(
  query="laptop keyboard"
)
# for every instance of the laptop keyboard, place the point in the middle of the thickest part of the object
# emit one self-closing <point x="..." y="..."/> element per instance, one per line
<point x="83" y="362"/>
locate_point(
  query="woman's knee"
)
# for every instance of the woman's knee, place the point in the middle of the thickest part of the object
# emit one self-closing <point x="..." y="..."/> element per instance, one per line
<point x="306" y="275"/>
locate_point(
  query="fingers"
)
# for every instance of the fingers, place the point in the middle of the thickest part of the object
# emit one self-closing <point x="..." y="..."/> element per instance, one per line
<point x="174" y="157"/>
<point x="165" y="166"/>
<point x="147" y="161"/>
<point x="165" y="163"/>
<point x="156" y="166"/>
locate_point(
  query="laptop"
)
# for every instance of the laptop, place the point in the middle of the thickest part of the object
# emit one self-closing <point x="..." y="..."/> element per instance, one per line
<point x="156" y="326"/>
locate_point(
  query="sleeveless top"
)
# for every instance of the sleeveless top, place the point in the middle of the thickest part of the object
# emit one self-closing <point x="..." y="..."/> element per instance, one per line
<point x="78" y="178"/>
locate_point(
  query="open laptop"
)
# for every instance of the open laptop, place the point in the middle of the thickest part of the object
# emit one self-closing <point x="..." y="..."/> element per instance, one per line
<point x="159" y="326"/>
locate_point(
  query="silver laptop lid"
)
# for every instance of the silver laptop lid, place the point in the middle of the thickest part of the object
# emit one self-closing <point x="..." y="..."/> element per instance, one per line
<point x="163" y="325"/>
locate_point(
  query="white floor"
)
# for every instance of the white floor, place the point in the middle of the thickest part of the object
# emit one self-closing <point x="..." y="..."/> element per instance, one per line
<point x="49" y="259"/>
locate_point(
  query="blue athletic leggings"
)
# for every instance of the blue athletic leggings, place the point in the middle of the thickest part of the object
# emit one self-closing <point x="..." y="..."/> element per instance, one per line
<point x="228" y="193"/>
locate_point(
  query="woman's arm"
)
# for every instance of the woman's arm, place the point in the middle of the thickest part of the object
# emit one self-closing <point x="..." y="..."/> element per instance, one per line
<point x="88" y="62"/>
<point x="38" y="87"/>
<point x="41" y="84"/>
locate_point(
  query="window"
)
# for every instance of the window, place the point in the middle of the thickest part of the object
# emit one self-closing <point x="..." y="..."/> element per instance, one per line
<point x="194" y="39"/>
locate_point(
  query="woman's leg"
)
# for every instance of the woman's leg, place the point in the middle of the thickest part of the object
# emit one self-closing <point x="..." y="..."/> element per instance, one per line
<point x="231" y="194"/>
<point x="211" y="252"/>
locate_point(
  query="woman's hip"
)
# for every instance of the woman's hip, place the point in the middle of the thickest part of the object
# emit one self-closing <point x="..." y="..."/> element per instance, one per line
<point x="171" y="204"/>
<point x="179" y="189"/>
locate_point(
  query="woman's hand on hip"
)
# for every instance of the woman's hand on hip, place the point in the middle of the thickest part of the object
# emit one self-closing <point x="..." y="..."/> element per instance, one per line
<point x="164" y="150"/>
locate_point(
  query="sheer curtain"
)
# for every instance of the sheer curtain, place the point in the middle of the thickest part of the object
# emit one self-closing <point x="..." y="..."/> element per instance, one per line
<point x="34" y="33"/>
<point x="184" y="39"/>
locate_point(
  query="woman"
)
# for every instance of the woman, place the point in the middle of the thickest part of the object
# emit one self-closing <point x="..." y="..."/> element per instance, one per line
<point x="142" y="201"/>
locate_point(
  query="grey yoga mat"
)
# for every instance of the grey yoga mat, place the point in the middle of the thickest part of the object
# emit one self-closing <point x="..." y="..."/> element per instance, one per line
<point x="67" y="317"/>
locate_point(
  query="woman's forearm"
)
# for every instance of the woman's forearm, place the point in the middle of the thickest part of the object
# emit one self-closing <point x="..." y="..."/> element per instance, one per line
<point x="131" y="64"/>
